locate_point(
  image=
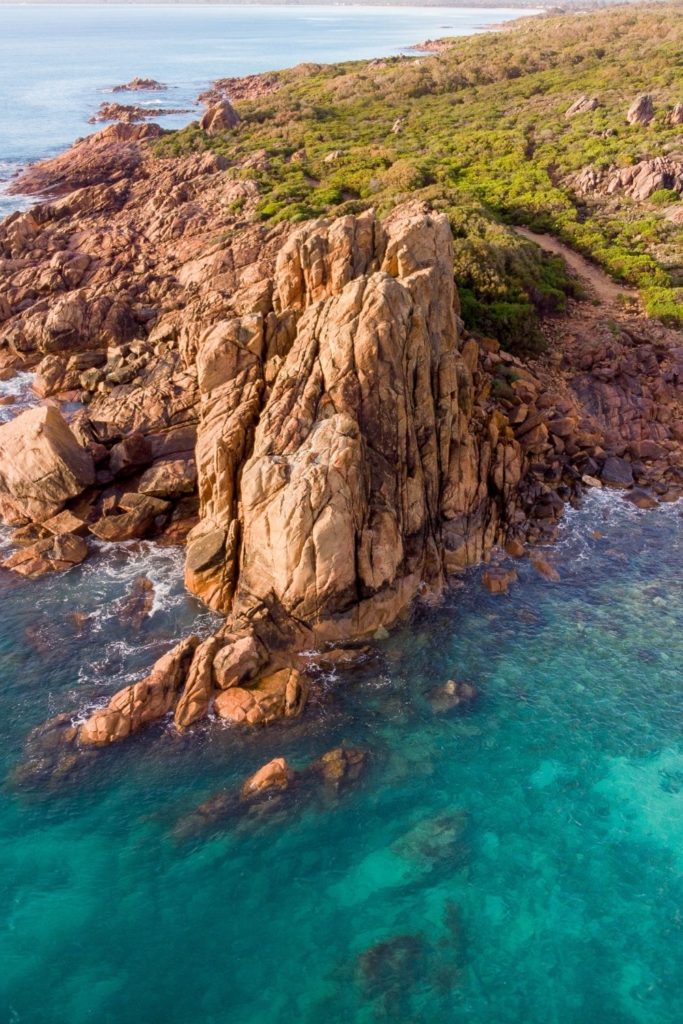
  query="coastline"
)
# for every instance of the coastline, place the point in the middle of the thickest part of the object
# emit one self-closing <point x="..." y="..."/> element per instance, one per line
<point x="342" y="620"/>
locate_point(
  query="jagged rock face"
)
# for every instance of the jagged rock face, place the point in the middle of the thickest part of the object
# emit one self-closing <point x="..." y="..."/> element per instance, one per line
<point x="638" y="181"/>
<point x="42" y="466"/>
<point x="359" y="476"/>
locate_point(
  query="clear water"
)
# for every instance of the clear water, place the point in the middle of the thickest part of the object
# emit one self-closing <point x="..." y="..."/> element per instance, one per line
<point x="58" y="62"/>
<point x="523" y="862"/>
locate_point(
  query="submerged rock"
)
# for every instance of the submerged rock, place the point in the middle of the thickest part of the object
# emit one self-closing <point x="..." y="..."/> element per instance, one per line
<point x="341" y="767"/>
<point x="53" y="554"/>
<point x="498" y="580"/>
<point x="544" y="568"/>
<point x="274" y="787"/>
<point x="453" y="695"/>
<point x="276" y="775"/>
<point x="641" y="499"/>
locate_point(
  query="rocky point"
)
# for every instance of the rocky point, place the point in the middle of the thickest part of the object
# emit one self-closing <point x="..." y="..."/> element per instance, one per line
<point x="299" y="404"/>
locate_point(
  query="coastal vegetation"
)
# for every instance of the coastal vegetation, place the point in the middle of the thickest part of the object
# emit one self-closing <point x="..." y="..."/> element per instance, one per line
<point x="480" y="129"/>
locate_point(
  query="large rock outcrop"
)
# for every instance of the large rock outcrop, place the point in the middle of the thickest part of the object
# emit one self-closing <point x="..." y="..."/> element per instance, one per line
<point x="360" y="476"/>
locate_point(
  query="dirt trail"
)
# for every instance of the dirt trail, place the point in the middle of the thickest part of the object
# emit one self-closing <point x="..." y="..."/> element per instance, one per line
<point x="597" y="281"/>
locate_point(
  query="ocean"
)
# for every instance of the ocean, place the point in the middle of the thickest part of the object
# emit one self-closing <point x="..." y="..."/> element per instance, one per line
<point x="522" y="862"/>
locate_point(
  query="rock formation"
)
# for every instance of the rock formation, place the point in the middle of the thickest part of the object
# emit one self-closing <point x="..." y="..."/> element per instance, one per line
<point x="300" y="402"/>
<point x="140" y="85"/>
<point x="129" y="113"/>
<point x="675" y="116"/>
<point x="638" y="181"/>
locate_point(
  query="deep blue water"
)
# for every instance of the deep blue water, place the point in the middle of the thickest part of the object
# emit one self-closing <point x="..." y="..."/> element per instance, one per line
<point x="521" y="863"/>
<point x="58" y="62"/>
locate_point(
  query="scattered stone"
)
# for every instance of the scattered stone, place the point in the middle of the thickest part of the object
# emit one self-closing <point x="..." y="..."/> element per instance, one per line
<point x="583" y="105"/>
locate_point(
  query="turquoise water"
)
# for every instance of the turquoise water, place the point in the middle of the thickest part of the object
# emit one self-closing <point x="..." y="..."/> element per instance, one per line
<point x="58" y="62"/>
<point x="520" y="863"/>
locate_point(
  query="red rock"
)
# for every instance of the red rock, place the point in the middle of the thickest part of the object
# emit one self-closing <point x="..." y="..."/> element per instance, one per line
<point x="499" y="581"/>
<point x="274" y="776"/>
<point x="544" y="568"/>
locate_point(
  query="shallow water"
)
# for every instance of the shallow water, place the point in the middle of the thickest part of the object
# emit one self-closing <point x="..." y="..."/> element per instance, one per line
<point x="522" y="862"/>
<point x="58" y="62"/>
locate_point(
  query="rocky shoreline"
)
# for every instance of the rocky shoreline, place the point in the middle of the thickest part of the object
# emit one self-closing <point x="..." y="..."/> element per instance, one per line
<point x="299" y="405"/>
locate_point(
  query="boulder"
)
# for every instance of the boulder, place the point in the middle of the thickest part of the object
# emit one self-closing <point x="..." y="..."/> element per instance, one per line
<point x="272" y="777"/>
<point x="642" y="110"/>
<point x="617" y="472"/>
<point x="219" y="118"/>
<point x="498" y="580"/>
<point x="515" y="547"/>
<point x="42" y="466"/>
<point x="280" y="694"/>
<point x="675" y="116"/>
<point x="136" y="520"/>
<point x="143" y="702"/>
<point x="239" y="661"/>
<point x="169" y="479"/>
<point x="65" y="522"/>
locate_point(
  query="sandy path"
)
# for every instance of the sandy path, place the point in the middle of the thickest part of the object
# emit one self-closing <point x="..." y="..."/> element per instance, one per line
<point x="602" y="286"/>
